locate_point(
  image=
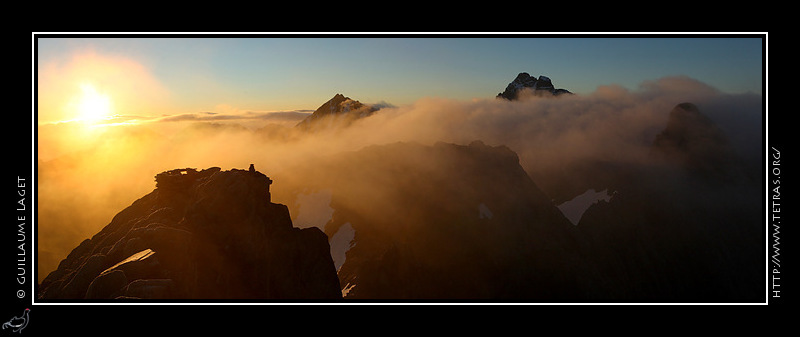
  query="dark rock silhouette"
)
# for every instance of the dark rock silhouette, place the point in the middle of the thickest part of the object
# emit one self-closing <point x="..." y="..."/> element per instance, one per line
<point x="339" y="111"/>
<point x="467" y="222"/>
<point x="692" y="142"/>
<point x="445" y="222"/>
<point x="524" y="82"/>
<point x="206" y="234"/>
<point x="686" y="227"/>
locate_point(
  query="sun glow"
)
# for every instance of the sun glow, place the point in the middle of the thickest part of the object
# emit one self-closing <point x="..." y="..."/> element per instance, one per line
<point x="93" y="106"/>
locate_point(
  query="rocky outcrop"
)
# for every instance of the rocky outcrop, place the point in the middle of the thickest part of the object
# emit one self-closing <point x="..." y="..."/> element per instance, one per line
<point x="466" y="222"/>
<point x="525" y="83"/>
<point x="206" y="234"/>
<point x="685" y="227"/>
<point x="445" y="221"/>
<point x="339" y="111"/>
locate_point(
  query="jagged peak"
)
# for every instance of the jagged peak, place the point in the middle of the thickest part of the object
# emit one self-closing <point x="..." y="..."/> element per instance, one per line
<point x="524" y="81"/>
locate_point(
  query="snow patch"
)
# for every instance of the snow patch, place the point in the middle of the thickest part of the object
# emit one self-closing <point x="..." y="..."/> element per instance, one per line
<point x="340" y="243"/>
<point x="314" y="210"/>
<point x="347" y="289"/>
<point x="575" y="208"/>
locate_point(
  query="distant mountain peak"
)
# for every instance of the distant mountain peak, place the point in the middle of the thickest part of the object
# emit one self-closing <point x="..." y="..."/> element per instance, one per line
<point x="689" y="131"/>
<point x="693" y="141"/>
<point x="537" y="86"/>
<point x="339" y="110"/>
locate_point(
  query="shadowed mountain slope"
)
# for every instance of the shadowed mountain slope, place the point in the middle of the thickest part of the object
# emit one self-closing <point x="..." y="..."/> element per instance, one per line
<point x="445" y="222"/>
<point x="687" y="227"/>
<point x="206" y="234"/>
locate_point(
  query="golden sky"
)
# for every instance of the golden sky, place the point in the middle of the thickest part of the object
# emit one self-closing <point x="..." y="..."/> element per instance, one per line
<point x="89" y="86"/>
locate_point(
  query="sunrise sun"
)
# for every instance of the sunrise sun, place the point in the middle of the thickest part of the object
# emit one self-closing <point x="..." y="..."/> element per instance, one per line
<point x="93" y="106"/>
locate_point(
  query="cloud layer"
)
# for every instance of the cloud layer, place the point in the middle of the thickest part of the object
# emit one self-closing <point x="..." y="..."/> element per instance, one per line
<point x="81" y="188"/>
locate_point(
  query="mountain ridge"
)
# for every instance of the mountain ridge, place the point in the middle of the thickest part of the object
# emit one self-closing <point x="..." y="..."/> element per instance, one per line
<point x="443" y="221"/>
<point x="199" y="235"/>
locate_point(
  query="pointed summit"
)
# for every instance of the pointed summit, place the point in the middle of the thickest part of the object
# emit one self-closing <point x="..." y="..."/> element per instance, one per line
<point x="693" y="141"/>
<point x="338" y="111"/>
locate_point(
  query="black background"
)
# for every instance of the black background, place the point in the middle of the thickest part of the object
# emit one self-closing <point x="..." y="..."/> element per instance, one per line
<point x="104" y="318"/>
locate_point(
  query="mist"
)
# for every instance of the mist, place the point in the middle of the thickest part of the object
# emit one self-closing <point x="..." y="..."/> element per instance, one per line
<point x="80" y="188"/>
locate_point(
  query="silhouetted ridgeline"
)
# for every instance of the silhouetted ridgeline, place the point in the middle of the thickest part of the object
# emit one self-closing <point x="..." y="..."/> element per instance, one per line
<point x="205" y="234"/>
<point x="466" y="222"/>
<point x="445" y="222"/>
<point x="685" y="227"/>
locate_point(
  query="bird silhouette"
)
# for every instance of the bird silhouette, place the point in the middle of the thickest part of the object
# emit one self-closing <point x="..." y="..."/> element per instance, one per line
<point x="18" y="323"/>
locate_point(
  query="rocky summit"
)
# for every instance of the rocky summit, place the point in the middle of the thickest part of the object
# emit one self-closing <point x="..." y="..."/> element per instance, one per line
<point x="338" y="111"/>
<point x="207" y="234"/>
<point x="525" y="83"/>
